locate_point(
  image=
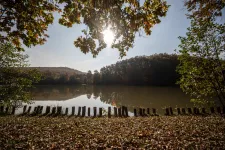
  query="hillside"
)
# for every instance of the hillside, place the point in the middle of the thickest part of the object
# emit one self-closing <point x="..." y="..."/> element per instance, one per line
<point x="58" y="70"/>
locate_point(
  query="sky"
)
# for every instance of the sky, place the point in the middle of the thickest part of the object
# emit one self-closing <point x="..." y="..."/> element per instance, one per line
<point x="59" y="50"/>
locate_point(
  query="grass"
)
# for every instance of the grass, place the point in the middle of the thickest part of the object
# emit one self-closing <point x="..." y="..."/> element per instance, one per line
<point x="164" y="132"/>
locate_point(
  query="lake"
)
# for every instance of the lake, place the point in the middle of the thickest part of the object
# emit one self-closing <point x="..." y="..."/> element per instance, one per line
<point x="105" y="96"/>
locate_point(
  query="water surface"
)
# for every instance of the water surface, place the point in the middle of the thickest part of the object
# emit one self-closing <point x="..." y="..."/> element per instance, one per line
<point x="105" y="96"/>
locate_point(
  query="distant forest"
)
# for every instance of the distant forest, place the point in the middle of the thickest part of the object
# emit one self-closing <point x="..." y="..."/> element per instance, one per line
<point x="157" y="69"/>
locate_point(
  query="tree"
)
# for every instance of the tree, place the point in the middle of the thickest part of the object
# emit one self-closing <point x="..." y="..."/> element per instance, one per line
<point x="89" y="77"/>
<point x="157" y="69"/>
<point x="96" y="77"/>
<point x="204" y="10"/>
<point x="124" y="17"/>
<point x="202" y="67"/>
<point x="27" y="21"/>
<point x="15" y="82"/>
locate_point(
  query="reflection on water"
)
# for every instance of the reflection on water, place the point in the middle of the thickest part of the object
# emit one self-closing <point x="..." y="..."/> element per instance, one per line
<point x="104" y="96"/>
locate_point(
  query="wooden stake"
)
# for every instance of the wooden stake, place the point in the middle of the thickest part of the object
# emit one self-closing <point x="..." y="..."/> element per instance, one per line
<point x="143" y="111"/>
<point x="167" y="112"/>
<point x="83" y="111"/>
<point x="140" y="112"/>
<point x="53" y="110"/>
<point x="115" y="111"/>
<point x="47" y="111"/>
<point x="79" y="111"/>
<point x="6" y="110"/>
<point x="89" y="111"/>
<point x="189" y="111"/>
<point x="183" y="111"/>
<point x="171" y="111"/>
<point x="100" y="111"/>
<point x="13" y="110"/>
<point x="195" y="110"/>
<point x="154" y="111"/>
<point x="178" y="111"/>
<point x="126" y="112"/>
<point x="135" y="112"/>
<point x="40" y="109"/>
<point x="109" y="112"/>
<point x="73" y="111"/>
<point x="59" y="110"/>
<point x="29" y="109"/>
<point x="119" y="112"/>
<point x="24" y="109"/>
<point x="203" y="111"/>
<point x="148" y="111"/>
<point x="35" y="111"/>
<point x="95" y="111"/>
<point x="218" y="110"/>
<point x="212" y="110"/>
<point x="123" y="111"/>
<point x="2" y="109"/>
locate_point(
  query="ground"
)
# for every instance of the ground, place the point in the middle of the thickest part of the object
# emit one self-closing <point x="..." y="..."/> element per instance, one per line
<point x="164" y="132"/>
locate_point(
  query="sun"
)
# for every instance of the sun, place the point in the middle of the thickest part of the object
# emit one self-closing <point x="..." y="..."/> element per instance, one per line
<point x="108" y="36"/>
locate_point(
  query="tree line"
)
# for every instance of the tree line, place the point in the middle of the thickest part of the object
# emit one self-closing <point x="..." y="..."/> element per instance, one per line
<point x="157" y="70"/>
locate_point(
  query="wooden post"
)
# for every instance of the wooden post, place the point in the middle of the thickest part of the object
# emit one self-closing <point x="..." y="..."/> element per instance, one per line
<point x="24" y="109"/>
<point x="203" y="111"/>
<point x="218" y="110"/>
<point x="143" y="112"/>
<point x="59" y="110"/>
<point x="135" y="112"/>
<point x="223" y="110"/>
<point x="198" y="111"/>
<point x="178" y="111"/>
<point x="189" y="111"/>
<point x="2" y="109"/>
<point x="115" y="111"/>
<point x="95" y="111"/>
<point x="212" y="110"/>
<point x="35" y="111"/>
<point x="53" y="110"/>
<point x="109" y="112"/>
<point x="123" y="111"/>
<point x="183" y="111"/>
<point x="73" y="111"/>
<point x="100" y="111"/>
<point x="13" y="110"/>
<point x="195" y="110"/>
<point x="40" y="109"/>
<point x="148" y="111"/>
<point x="167" y="112"/>
<point x="89" y="111"/>
<point x="171" y="111"/>
<point x="66" y="113"/>
<point x="47" y="111"/>
<point x="83" y="111"/>
<point x="140" y="112"/>
<point x="79" y="111"/>
<point x="154" y="111"/>
<point x="29" y="109"/>
<point x="6" y="110"/>
<point x="119" y="112"/>
<point x="126" y="112"/>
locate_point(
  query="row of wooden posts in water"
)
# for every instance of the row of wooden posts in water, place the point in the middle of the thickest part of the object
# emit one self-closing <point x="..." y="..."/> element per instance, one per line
<point x="118" y="112"/>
